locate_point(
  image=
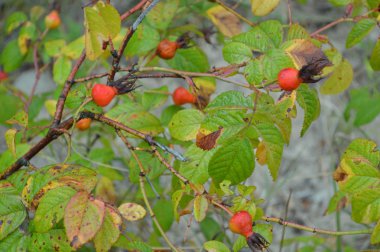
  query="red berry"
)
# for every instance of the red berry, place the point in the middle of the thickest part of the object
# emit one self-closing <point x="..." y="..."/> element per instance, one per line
<point x="182" y="96"/>
<point x="166" y="49"/>
<point x="103" y="94"/>
<point x="241" y="223"/>
<point x="3" y="75"/>
<point x="289" y="79"/>
<point x="52" y="20"/>
<point x="83" y="124"/>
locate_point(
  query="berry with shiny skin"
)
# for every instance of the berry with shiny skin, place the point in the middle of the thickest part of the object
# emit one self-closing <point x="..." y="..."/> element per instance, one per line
<point x="182" y="96"/>
<point x="288" y="79"/>
<point x="241" y="223"/>
<point x="83" y="124"/>
<point x="52" y="20"/>
<point x="103" y="94"/>
<point x="166" y="49"/>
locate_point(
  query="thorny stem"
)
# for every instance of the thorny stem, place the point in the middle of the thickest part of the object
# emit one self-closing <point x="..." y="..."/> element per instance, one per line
<point x="127" y="37"/>
<point x="142" y="187"/>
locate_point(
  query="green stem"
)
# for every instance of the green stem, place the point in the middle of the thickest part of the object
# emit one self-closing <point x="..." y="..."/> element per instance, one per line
<point x="315" y="230"/>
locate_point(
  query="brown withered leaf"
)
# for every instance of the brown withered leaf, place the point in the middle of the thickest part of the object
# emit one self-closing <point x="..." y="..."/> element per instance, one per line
<point x="304" y="52"/>
<point x="261" y="154"/>
<point x="208" y="142"/>
<point x="339" y="174"/>
<point x="227" y="23"/>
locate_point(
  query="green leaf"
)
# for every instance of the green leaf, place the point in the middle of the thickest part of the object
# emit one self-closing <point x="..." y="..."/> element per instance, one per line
<point x="154" y="97"/>
<point x="210" y="228"/>
<point x="15" y="242"/>
<point x="56" y="238"/>
<point x="334" y="202"/>
<point x="12" y="211"/>
<point x="273" y="143"/>
<point x="139" y="246"/>
<point x="168" y="113"/>
<point x="21" y="118"/>
<point x="14" y="20"/>
<point x="185" y="124"/>
<point x="61" y="69"/>
<point x="52" y="176"/>
<point x="340" y="80"/>
<point x="236" y="53"/>
<point x="53" y="47"/>
<point x="200" y="208"/>
<point x="340" y="2"/>
<point x="358" y="169"/>
<point x="145" y="39"/>
<point x="159" y="21"/>
<point x="254" y="72"/>
<point x="263" y="37"/>
<point x="296" y="31"/>
<point x="366" y="205"/>
<point x="266" y="230"/>
<point x="74" y="49"/>
<point x="360" y="31"/>
<point x="274" y="61"/>
<point x="239" y="243"/>
<point x="163" y="210"/>
<point x="366" y="105"/>
<point x="110" y="231"/>
<point x="102" y="22"/>
<point x="10" y="136"/>
<point x="230" y="100"/>
<point x="12" y="103"/>
<point x="308" y="99"/>
<point x="51" y="208"/>
<point x="153" y="167"/>
<point x="7" y="158"/>
<point x="196" y="168"/>
<point x="234" y="162"/>
<point x="142" y="121"/>
<point x="215" y="246"/>
<point x="176" y="199"/>
<point x="83" y="218"/>
<point x="11" y="56"/>
<point x="191" y="59"/>
<point x="375" y="237"/>
<point x="231" y="121"/>
<point x="375" y="57"/>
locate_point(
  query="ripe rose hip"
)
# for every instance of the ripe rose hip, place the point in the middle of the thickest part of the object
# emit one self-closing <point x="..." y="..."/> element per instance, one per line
<point x="83" y="124"/>
<point x="166" y="49"/>
<point x="52" y="20"/>
<point x="182" y="96"/>
<point x="103" y="94"/>
<point x="289" y="79"/>
<point x="241" y="223"/>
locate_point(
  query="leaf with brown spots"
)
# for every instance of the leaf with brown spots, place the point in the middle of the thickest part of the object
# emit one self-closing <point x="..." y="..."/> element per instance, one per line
<point x="261" y="154"/>
<point x="110" y="230"/>
<point x="208" y="142"/>
<point x="54" y="240"/>
<point x="83" y="218"/>
<point x="132" y="211"/>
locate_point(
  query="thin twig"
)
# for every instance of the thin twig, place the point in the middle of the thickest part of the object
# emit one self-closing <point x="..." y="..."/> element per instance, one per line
<point x="142" y="187"/>
<point x="66" y="90"/>
<point x="133" y="10"/>
<point x="315" y="230"/>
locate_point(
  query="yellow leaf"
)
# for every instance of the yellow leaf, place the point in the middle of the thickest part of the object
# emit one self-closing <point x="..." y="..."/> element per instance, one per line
<point x="263" y="8"/>
<point x="132" y="211"/>
<point x="227" y="23"/>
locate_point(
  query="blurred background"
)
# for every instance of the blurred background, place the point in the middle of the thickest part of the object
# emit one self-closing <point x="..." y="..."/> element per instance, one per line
<point x="305" y="185"/>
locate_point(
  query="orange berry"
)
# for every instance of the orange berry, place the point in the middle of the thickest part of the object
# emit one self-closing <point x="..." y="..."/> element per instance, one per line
<point x="166" y="49"/>
<point x="103" y="94"/>
<point x="288" y="79"/>
<point x="52" y="20"/>
<point x="83" y="124"/>
<point x="182" y="96"/>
